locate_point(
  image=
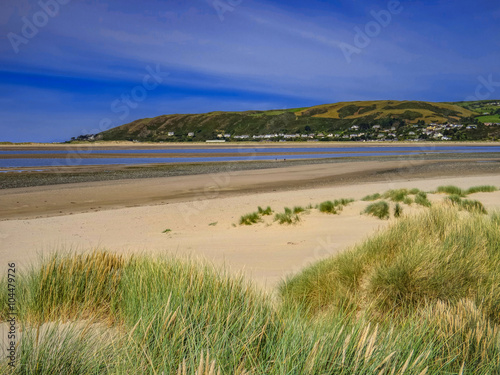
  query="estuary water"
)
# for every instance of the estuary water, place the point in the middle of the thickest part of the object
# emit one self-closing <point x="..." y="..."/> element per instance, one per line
<point x="97" y="156"/>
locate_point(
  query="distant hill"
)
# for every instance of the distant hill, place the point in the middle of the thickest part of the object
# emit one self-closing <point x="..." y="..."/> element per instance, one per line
<point x="335" y="118"/>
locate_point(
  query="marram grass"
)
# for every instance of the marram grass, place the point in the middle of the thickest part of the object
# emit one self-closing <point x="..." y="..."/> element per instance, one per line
<point x="379" y="209"/>
<point x="437" y="272"/>
<point x="400" y="303"/>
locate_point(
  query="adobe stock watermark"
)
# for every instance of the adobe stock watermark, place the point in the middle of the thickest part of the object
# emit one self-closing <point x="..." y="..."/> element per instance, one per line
<point x="363" y="36"/>
<point x="212" y="190"/>
<point x="484" y="89"/>
<point x="31" y="26"/>
<point x="122" y="107"/>
<point x="223" y="6"/>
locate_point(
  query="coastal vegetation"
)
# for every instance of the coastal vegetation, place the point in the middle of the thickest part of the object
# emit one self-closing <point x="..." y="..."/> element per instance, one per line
<point x="264" y="212"/>
<point x="251" y="218"/>
<point x="451" y="190"/>
<point x="398" y="303"/>
<point x="287" y="217"/>
<point x="334" y="207"/>
<point x="398" y="210"/>
<point x="481" y="189"/>
<point x="466" y="204"/>
<point x="371" y="197"/>
<point x="378" y="209"/>
<point x="421" y="199"/>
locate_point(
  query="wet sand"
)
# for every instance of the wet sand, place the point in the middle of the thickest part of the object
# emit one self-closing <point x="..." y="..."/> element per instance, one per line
<point x="54" y="200"/>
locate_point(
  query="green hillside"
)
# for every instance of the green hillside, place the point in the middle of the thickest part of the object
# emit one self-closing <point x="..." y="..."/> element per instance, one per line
<point x="325" y="119"/>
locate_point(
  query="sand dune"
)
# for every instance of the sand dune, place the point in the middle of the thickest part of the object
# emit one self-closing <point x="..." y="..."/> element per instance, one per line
<point x="266" y="252"/>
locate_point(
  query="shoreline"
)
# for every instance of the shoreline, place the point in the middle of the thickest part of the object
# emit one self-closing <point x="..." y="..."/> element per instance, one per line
<point x="69" y="174"/>
<point x="229" y="181"/>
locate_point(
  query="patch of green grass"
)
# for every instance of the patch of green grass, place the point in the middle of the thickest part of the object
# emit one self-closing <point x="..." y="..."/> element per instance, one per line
<point x="421" y="199"/>
<point x="396" y="195"/>
<point x="213" y="224"/>
<point x="450" y="189"/>
<point x="287" y="217"/>
<point x="467" y="204"/>
<point x="414" y="191"/>
<point x="398" y="210"/>
<point x="334" y="207"/>
<point x="489" y="118"/>
<point x="167" y="230"/>
<point x="298" y="209"/>
<point x="328" y="207"/>
<point x="408" y="201"/>
<point x="372" y="197"/>
<point x="249" y="219"/>
<point x="473" y="206"/>
<point x="481" y="189"/>
<point x="343" y="201"/>
<point x="378" y="209"/>
<point x="454" y="198"/>
<point x="264" y="212"/>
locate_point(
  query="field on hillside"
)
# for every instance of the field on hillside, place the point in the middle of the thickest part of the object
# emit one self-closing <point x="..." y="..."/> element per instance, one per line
<point x="407" y="110"/>
<point x="494" y="118"/>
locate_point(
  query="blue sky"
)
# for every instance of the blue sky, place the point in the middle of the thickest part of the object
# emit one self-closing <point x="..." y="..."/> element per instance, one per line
<point x="68" y="67"/>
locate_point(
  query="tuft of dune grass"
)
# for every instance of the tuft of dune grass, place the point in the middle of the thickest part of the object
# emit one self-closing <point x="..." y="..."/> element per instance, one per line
<point x="68" y="286"/>
<point x="298" y="209"/>
<point x="396" y="195"/>
<point x="451" y="190"/>
<point x="481" y="189"/>
<point x="289" y="216"/>
<point x="421" y="199"/>
<point x="398" y="210"/>
<point x="466" y="204"/>
<point x="334" y="207"/>
<point x="265" y="212"/>
<point x="251" y="218"/>
<point x="378" y="209"/>
<point x="372" y="197"/>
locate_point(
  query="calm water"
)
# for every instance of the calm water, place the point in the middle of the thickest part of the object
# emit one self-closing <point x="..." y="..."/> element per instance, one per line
<point x="72" y="159"/>
<point x="283" y="150"/>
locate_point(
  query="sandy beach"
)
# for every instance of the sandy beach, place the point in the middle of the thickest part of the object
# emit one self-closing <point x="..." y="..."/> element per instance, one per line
<point x="202" y="213"/>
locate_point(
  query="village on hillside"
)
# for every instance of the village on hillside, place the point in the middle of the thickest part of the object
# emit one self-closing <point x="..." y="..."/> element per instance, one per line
<point x="408" y="132"/>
